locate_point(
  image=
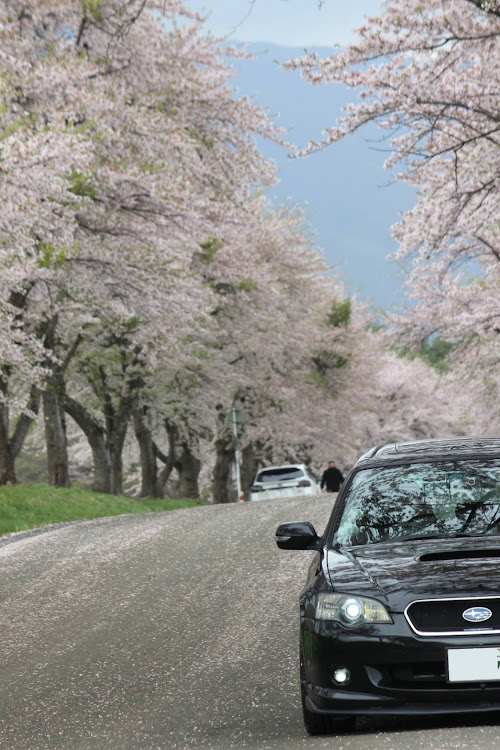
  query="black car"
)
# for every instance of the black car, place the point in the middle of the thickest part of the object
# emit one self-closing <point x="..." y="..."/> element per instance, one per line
<point x="401" y="611"/>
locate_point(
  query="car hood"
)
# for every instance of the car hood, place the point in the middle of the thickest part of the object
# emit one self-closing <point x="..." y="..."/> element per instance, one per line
<point x="398" y="573"/>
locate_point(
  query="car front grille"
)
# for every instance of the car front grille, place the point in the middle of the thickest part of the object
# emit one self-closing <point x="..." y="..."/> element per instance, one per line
<point x="433" y="617"/>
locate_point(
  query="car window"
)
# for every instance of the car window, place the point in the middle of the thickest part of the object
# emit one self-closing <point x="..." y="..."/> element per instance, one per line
<point x="449" y="498"/>
<point x="279" y="475"/>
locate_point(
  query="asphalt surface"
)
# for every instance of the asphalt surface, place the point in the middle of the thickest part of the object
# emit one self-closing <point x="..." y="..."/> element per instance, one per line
<point x="171" y="631"/>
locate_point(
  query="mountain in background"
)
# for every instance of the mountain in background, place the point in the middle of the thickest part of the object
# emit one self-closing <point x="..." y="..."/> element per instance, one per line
<point x="351" y="200"/>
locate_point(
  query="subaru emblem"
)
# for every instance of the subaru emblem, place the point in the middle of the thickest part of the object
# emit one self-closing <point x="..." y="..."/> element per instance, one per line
<point x="477" y="614"/>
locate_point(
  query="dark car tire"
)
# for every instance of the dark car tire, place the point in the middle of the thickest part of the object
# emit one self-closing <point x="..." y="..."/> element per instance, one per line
<point x="316" y="724"/>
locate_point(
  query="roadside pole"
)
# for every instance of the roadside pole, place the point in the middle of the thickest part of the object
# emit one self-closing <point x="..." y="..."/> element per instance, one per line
<point x="235" y="420"/>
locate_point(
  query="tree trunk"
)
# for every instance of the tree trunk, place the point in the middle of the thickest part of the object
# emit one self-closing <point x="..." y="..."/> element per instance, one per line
<point x="249" y="466"/>
<point x="11" y="447"/>
<point x="116" y="441"/>
<point x="116" y="422"/>
<point x="103" y="480"/>
<point x="7" y="460"/>
<point x="222" y="490"/>
<point x="55" y="438"/>
<point x="106" y="443"/>
<point x="150" y="483"/>
<point x="167" y="460"/>
<point x="54" y="418"/>
<point x="188" y="467"/>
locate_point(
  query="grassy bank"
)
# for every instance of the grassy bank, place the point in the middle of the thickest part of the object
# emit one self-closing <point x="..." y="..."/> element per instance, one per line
<point x="29" y="506"/>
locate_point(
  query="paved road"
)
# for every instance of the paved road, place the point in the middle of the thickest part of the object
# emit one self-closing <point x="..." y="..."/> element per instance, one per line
<point x="172" y="631"/>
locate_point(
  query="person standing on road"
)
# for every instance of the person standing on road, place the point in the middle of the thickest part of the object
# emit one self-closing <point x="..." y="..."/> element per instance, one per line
<point x="332" y="478"/>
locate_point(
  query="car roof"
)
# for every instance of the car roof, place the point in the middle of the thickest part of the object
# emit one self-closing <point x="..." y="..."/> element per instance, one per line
<point x="433" y="449"/>
<point x="282" y="466"/>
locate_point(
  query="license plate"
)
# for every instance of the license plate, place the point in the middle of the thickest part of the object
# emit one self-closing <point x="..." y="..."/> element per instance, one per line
<point x="474" y="664"/>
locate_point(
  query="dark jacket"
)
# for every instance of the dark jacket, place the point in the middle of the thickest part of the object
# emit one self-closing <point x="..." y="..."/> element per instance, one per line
<point x="332" y="478"/>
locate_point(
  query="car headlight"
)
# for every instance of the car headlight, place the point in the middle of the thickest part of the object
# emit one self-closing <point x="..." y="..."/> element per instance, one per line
<point x="350" y="610"/>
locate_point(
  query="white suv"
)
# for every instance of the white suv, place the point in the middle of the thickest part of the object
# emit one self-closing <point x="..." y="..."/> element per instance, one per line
<point x="283" y="481"/>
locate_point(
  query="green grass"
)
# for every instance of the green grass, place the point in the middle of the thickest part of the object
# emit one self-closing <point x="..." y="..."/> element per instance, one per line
<point x="30" y="506"/>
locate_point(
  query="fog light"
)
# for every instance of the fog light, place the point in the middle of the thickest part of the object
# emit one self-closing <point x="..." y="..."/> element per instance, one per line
<point x="341" y="676"/>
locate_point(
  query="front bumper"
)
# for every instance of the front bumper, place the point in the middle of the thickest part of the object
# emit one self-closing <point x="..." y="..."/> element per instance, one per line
<point x="392" y="671"/>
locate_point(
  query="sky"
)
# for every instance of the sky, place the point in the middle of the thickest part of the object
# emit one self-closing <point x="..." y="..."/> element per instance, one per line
<point x="349" y="201"/>
<point x="289" y="23"/>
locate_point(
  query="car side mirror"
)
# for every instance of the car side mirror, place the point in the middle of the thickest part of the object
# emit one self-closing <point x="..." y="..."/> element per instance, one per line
<point x="297" y="535"/>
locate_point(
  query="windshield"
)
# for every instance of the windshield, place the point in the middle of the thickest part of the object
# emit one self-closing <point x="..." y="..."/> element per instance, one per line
<point x="419" y="500"/>
<point x="284" y="473"/>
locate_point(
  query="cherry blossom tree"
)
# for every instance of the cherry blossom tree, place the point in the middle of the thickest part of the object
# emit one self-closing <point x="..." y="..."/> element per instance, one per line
<point x="134" y="145"/>
<point x="291" y="342"/>
<point x="428" y="74"/>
